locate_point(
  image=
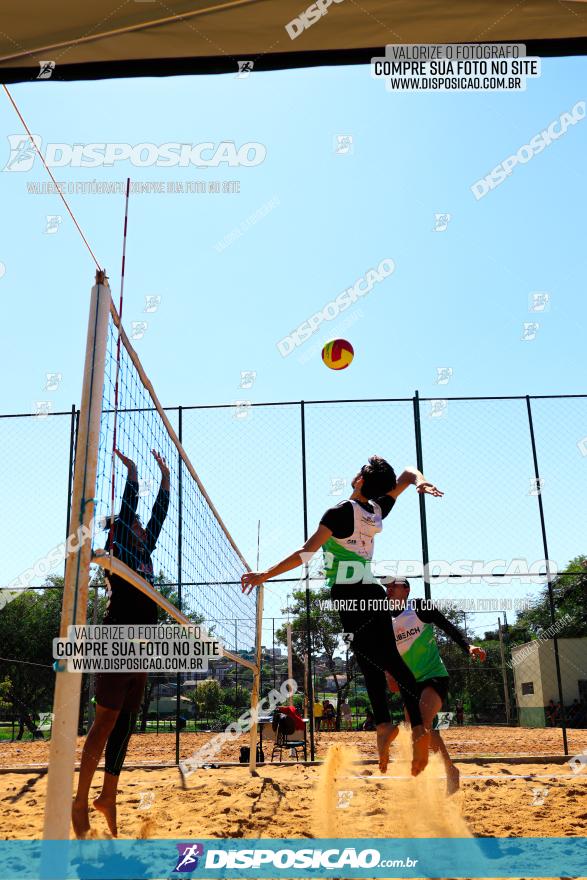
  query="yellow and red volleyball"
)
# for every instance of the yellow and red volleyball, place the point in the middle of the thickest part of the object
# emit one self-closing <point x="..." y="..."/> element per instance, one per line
<point x="337" y="354"/>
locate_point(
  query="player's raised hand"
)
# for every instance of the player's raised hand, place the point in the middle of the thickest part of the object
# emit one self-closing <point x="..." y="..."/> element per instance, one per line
<point x="127" y="462"/>
<point x="163" y="466"/>
<point x="426" y="488"/>
<point x="474" y="651"/>
<point x="252" y="579"/>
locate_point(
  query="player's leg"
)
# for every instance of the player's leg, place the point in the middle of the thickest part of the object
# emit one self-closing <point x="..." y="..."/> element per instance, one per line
<point x="114" y="759"/>
<point x="431" y="702"/>
<point x="100" y="730"/>
<point x="117" y="746"/>
<point x="391" y="660"/>
<point x="452" y="773"/>
<point x="376" y="652"/>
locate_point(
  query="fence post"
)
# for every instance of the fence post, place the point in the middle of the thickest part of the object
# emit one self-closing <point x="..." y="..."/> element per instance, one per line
<point x="179" y="573"/>
<point x="548" y="576"/>
<point x="421" y="498"/>
<point x="506" y="695"/>
<point x="309" y="682"/>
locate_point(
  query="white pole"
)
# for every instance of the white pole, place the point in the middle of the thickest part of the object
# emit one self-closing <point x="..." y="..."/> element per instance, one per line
<point x="75" y="590"/>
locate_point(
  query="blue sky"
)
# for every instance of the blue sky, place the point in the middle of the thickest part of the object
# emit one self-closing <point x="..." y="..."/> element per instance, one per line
<point x="457" y="298"/>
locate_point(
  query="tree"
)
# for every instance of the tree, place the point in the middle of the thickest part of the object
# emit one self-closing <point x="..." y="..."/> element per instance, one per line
<point x="570" y="600"/>
<point x="28" y="625"/>
<point x="207" y="698"/>
<point x="326" y="639"/>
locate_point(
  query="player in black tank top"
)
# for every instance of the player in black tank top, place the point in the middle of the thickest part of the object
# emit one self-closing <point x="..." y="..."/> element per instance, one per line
<point x="375" y="647"/>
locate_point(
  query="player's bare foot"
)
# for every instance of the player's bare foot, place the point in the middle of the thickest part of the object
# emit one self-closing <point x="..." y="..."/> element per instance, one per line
<point x="108" y="808"/>
<point x="80" y="819"/>
<point x="420" y="745"/>
<point x="386" y="733"/>
<point x="453" y="781"/>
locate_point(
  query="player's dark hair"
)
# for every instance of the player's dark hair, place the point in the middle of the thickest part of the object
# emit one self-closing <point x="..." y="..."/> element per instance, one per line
<point x="378" y="477"/>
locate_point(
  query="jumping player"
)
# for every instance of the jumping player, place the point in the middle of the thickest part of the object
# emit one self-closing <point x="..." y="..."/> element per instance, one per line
<point x="119" y="695"/>
<point x="412" y="625"/>
<point x="346" y="533"/>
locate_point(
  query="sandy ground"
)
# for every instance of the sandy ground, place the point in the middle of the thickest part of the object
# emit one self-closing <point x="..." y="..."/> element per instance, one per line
<point x="473" y="741"/>
<point x="336" y="799"/>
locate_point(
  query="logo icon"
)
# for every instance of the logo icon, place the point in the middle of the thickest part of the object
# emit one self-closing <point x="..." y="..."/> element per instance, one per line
<point x="344" y="799"/>
<point x="245" y="68"/>
<point x="443" y="375"/>
<point x="152" y="303"/>
<point x="139" y="328"/>
<point x="42" y="408"/>
<point x="540" y="795"/>
<point x="343" y="145"/>
<point x="539" y="302"/>
<point x="189" y="856"/>
<point x="47" y="68"/>
<point x="53" y="223"/>
<point x="247" y="379"/>
<point x="437" y="408"/>
<point x="52" y="382"/>
<point x="242" y="409"/>
<point x="529" y="331"/>
<point x="337" y="485"/>
<point x="441" y="222"/>
<point x="22" y="152"/>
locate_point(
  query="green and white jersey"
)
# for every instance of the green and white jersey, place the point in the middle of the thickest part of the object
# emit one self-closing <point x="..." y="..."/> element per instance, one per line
<point x="416" y="643"/>
<point x="358" y="547"/>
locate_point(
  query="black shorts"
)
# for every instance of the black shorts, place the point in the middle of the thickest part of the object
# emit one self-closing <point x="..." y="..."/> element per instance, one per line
<point x="120" y="690"/>
<point x="439" y="684"/>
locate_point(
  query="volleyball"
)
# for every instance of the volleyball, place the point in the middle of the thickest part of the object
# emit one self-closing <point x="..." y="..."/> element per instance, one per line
<point x="337" y="354"/>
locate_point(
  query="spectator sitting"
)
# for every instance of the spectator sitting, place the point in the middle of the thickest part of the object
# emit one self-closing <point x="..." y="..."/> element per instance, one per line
<point x="369" y="722"/>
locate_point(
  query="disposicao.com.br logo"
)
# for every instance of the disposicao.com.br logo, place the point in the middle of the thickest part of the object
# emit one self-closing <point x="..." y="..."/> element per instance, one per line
<point x="330" y="859"/>
<point x="23" y="151"/>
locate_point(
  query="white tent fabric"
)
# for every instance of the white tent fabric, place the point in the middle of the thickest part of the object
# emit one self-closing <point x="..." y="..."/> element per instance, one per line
<point x="106" y="38"/>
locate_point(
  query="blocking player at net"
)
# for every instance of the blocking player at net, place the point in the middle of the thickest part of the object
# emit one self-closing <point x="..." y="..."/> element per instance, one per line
<point x="119" y="695"/>
<point x="414" y="636"/>
<point x="346" y="533"/>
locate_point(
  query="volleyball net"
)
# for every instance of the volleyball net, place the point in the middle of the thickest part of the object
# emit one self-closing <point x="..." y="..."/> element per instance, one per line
<point x="193" y="568"/>
<point x="197" y="565"/>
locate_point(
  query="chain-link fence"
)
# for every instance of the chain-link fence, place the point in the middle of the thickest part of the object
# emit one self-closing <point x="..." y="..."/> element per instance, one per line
<point x="501" y="555"/>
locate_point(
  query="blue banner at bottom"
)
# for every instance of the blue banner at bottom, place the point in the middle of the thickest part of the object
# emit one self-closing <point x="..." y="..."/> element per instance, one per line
<point x="289" y="858"/>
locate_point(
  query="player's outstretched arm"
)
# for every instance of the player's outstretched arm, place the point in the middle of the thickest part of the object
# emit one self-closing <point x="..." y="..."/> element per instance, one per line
<point x="411" y="476"/>
<point x="130" y="497"/>
<point x="129" y="464"/>
<point x="252" y="579"/>
<point x="161" y="505"/>
<point x="437" y="618"/>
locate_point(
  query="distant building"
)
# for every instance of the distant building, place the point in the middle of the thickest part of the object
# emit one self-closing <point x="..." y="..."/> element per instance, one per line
<point x="330" y="684"/>
<point x="535" y="679"/>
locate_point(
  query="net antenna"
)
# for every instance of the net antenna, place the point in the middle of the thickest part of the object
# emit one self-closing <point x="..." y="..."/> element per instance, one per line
<point x="117" y="377"/>
<point x="194" y="556"/>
